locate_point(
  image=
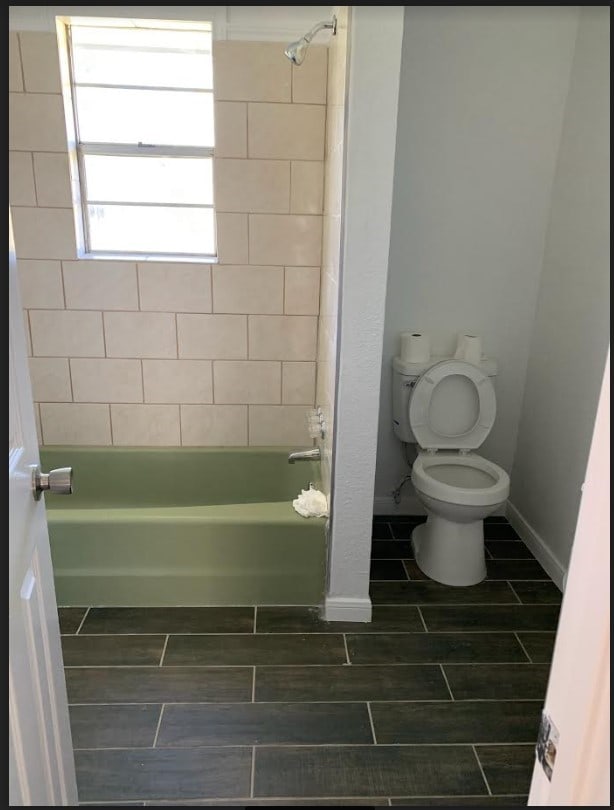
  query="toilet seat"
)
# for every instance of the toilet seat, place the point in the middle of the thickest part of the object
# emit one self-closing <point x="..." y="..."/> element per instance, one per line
<point x="431" y="408"/>
<point x="467" y="479"/>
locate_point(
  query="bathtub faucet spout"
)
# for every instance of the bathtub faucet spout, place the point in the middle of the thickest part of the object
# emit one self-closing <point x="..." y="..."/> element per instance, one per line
<point x="305" y="455"/>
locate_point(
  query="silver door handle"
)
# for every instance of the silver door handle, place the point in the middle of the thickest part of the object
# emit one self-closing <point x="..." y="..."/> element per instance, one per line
<point x="58" y="482"/>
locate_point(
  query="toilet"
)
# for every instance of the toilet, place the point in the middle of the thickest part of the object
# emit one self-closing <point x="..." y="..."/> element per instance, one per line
<point x="447" y="407"/>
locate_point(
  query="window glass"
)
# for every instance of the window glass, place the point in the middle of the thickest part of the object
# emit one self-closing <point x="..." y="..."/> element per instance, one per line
<point x="146" y="58"/>
<point x="115" y="115"/>
<point x="149" y="179"/>
<point x="151" y="229"/>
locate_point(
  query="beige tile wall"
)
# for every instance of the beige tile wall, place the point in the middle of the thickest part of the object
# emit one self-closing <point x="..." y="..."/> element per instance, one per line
<point x="160" y="353"/>
<point x="331" y="239"/>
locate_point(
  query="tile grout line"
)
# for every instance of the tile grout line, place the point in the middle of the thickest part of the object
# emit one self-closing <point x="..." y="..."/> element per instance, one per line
<point x="334" y="633"/>
<point x="481" y="770"/>
<point x="347" y="654"/>
<point x="517" y="637"/>
<point x="327" y="702"/>
<point x="443" y="672"/>
<point x="371" y="722"/>
<point x="405" y="569"/>
<point x="513" y="591"/>
<point x="526" y="744"/>
<point x="389" y="800"/>
<point x="255" y="617"/>
<point x="338" y="664"/>
<point x="253" y="773"/>
<point x="158" y="726"/>
<point x="78" y="630"/>
<point x="422" y="618"/>
<point x="164" y="649"/>
<point x="138" y="287"/>
<point x="254" y="685"/>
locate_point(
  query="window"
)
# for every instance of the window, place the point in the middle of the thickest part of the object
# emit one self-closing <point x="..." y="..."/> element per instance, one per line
<point x="140" y="137"/>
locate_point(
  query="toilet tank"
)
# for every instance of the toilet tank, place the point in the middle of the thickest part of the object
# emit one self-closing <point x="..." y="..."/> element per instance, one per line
<point x="404" y="377"/>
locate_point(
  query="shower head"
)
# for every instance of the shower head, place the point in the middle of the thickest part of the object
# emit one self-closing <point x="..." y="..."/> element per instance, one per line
<point x="296" y="50"/>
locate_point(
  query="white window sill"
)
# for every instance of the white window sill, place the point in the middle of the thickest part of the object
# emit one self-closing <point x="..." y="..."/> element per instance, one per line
<point x="142" y="257"/>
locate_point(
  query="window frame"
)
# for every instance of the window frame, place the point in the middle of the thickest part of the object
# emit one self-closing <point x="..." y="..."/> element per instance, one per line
<point x="78" y="150"/>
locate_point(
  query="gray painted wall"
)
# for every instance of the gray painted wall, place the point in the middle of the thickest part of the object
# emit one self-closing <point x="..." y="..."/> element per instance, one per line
<point x="571" y="331"/>
<point x="481" y="106"/>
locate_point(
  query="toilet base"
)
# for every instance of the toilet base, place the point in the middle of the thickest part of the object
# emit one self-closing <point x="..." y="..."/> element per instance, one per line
<point x="450" y="553"/>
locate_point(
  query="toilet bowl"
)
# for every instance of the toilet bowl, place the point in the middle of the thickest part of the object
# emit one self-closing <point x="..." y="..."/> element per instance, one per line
<point x="448" y="408"/>
<point x="458" y="491"/>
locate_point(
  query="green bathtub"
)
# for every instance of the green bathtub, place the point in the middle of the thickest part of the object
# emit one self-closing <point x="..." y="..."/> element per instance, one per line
<point x="184" y="526"/>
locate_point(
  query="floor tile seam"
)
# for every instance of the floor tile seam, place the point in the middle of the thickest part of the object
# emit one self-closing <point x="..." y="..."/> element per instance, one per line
<point x="189" y="607"/>
<point x="523" y="648"/>
<point x="164" y="650"/>
<point x="347" y="654"/>
<point x="196" y="745"/>
<point x="319" y="632"/>
<point x="158" y="726"/>
<point x="248" y="746"/>
<point x="301" y="701"/>
<point x="171" y="632"/>
<point x="252" y="773"/>
<point x="514" y="592"/>
<point x="353" y="664"/>
<point x="488" y="579"/>
<point x="156" y="667"/>
<point x="87" y="610"/>
<point x="428" y="604"/>
<point x="253" y="684"/>
<point x="206" y="668"/>
<point x="464" y="796"/>
<point x="445" y="677"/>
<point x="481" y="770"/>
<point x="421" y="615"/>
<point x="255" y="618"/>
<point x="376" y="632"/>
<point x="174" y="633"/>
<point x="315" y="798"/>
<point x="470" y="632"/>
<point x="507" y="582"/>
<point x="371" y="723"/>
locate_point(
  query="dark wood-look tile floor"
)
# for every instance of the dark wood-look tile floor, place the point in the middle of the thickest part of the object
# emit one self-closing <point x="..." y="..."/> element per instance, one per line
<point x="435" y="702"/>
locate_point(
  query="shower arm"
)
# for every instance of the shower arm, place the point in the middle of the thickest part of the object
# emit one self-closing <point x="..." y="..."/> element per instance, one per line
<point x="319" y="27"/>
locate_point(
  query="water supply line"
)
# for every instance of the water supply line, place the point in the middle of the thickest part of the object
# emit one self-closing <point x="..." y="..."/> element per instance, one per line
<point x="396" y="493"/>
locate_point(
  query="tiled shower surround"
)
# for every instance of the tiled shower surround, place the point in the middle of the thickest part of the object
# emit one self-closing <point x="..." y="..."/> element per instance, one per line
<point x="152" y="353"/>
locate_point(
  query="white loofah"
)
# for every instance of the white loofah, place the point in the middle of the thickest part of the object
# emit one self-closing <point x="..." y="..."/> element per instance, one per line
<point x="311" y="503"/>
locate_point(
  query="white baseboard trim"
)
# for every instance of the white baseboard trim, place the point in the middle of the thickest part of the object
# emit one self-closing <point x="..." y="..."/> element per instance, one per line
<point x="537" y="545"/>
<point x="346" y="609"/>
<point x="409" y="505"/>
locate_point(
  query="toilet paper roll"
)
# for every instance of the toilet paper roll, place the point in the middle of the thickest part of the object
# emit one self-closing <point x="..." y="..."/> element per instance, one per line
<point x="469" y="349"/>
<point x="415" y="347"/>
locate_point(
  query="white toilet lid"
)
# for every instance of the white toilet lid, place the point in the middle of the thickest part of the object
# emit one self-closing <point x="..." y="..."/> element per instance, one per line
<point x="452" y="406"/>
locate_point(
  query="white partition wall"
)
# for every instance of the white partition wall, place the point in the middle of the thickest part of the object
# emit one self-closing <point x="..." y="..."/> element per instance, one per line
<point x="375" y="40"/>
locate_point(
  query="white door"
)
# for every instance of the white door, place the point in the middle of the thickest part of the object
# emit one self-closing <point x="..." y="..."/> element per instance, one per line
<point x="41" y="764"/>
<point x="578" y="696"/>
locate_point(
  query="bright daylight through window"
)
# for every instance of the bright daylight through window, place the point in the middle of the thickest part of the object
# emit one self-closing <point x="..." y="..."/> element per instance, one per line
<point x="141" y="139"/>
